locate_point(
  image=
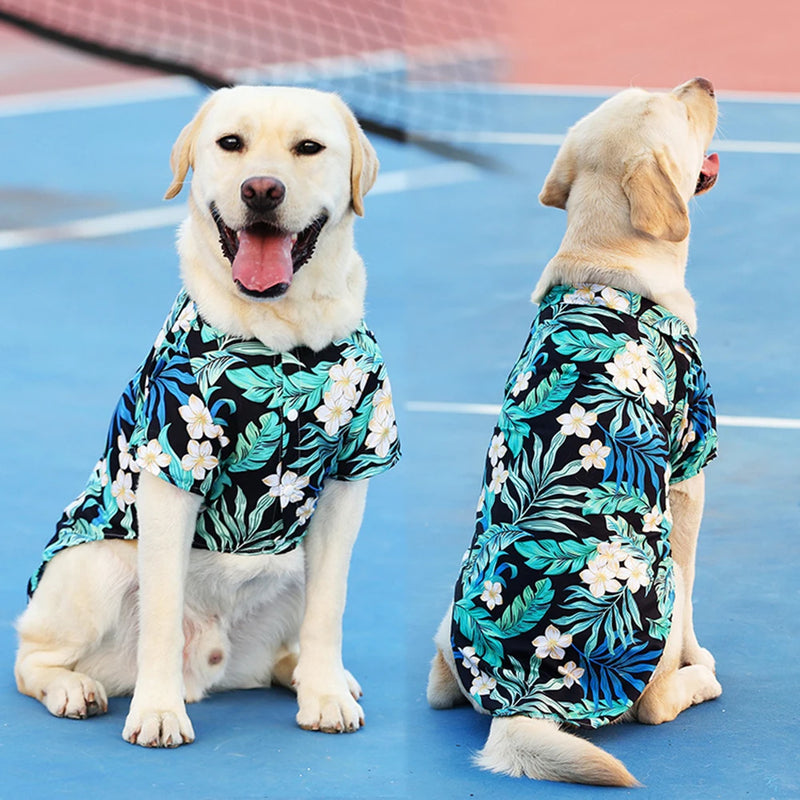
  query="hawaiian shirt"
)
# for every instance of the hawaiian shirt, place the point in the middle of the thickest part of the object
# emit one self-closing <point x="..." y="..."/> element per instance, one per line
<point x="255" y="432"/>
<point x="564" y="599"/>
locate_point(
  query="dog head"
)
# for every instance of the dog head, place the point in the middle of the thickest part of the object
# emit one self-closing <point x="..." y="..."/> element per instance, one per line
<point x="651" y="146"/>
<point x="275" y="171"/>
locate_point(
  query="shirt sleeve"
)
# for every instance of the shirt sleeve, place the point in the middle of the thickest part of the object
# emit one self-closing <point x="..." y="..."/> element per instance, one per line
<point x="369" y="444"/>
<point x="695" y="444"/>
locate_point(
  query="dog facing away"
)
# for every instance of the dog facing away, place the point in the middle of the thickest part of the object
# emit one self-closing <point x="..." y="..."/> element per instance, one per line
<point x="211" y="545"/>
<point x="573" y="605"/>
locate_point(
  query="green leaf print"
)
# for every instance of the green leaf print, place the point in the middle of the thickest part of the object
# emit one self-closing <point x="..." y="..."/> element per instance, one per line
<point x="261" y="383"/>
<point x="611" y="498"/>
<point x="480" y="630"/>
<point x="257" y="445"/>
<point x="555" y="557"/>
<point x="210" y="367"/>
<point x="580" y="345"/>
<point x="526" y="610"/>
<point x="551" y="392"/>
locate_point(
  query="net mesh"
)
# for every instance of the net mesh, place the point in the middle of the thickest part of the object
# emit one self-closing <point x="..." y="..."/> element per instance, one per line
<point x="406" y="67"/>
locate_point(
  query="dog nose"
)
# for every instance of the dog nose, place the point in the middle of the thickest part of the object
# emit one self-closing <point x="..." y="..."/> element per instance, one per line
<point x="262" y="193"/>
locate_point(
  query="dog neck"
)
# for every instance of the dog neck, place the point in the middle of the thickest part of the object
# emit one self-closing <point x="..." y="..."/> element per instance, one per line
<point x="619" y="256"/>
<point x="325" y="301"/>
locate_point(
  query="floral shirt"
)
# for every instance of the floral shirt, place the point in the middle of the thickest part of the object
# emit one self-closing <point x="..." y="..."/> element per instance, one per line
<point x="564" y="600"/>
<point x="254" y="432"/>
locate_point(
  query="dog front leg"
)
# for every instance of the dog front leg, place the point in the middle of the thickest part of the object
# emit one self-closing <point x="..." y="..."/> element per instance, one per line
<point x="167" y="519"/>
<point x="686" y="502"/>
<point x="326" y="692"/>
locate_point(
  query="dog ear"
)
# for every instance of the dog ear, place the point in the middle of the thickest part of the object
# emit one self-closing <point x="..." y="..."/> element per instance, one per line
<point x="182" y="155"/>
<point x="363" y="160"/>
<point x="558" y="182"/>
<point x="657" y="207"/>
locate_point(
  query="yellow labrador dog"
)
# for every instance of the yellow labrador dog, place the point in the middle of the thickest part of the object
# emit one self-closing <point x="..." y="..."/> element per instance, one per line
<point x="251" y="427"/>
<point x="574" y="600"/>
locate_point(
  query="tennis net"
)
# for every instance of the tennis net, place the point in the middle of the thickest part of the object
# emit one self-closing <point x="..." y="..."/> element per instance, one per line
<point x="406" y="67"/>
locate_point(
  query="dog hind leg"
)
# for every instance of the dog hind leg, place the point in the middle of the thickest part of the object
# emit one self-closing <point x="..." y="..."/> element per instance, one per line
<point x="71" y="644"/>
<point x="444" y="690"/>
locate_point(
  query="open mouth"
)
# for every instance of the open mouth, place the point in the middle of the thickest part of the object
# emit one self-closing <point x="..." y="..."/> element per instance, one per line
<point x="264" y="257"/>
<point x="708" y="173"/>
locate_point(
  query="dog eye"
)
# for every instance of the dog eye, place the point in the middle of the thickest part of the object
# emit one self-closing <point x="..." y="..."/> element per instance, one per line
<point x="308" y="147"/>
<point x="232" y="143"/>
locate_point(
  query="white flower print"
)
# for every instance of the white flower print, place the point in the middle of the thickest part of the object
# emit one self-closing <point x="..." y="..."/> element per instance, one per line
<point x="198" y="419"/>
<point x="608" y="552"/>
<point x="572" y="673"/>
<point x="121" y="489"/>
<point x="625" y="372"/>
<point x="287" y="486"/>
<point x="346" y="378"/>
<point x="198" y="459"/>
<point x="102" y="470"/>
<point x="218" y="432"/>
<point x="578" y="421"/>
<point x="382" y="400"/>
<point x="335" y="412"/>
<point x="653" y="386"/>
<point x="497" y="449"/>
<point x="585" y="294"/>
<point x="636" y="354"/>
<point x="611" y="298"/>
<point x="482" y="685"/>
<point x="492" y="594"/>
<point x="470" y="660"/>
<point x="383" y="433"/>
<point x="637" y="573"/>
<point x="594" y="455"/>
<point x="305" y="511"/>
<point x="499" y="477"/>
<point x="185" y="318"/>
<point x="552" y="644"/>
<point x="601" y="576"/>
<point x="652" y="520"/>
<point x="126" y="458"/>
<point x="521" y="382"/>
<point x="152" y="458"/>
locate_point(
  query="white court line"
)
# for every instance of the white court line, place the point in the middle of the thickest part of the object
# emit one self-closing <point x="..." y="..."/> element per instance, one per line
<point x="555" y="139"/>
<point x="166" y="216"/>
<point x="492" y="410"/>
<point x="111" y="94"/>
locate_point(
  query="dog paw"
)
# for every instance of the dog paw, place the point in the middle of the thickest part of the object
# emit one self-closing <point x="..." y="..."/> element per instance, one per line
<point x="329" y="713"/>
<point x="707" y="685"/>
<point x="76" y="696"/>
<point x="329" y="705"/>
<point x="353" y="686"/>
<point x="699" y="656"/>
<point x="158" y="727"/>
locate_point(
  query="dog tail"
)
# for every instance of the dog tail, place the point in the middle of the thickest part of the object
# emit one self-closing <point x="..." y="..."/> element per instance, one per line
<point x="538" y="748"/>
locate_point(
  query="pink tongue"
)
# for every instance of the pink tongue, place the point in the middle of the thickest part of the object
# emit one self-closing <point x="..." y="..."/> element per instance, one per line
<point x="711" y="165"/>
<point x="262" y="262"/>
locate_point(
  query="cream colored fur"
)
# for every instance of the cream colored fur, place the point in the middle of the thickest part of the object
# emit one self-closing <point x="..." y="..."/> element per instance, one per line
<point x="156" y="617"/>
<point x="625" y="174"/>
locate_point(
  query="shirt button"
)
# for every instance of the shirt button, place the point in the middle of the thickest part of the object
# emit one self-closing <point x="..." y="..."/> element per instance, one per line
<point x="291" y="414"/>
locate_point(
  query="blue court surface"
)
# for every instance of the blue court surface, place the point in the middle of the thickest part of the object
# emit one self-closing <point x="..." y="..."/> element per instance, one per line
<point x="453" y="253"/>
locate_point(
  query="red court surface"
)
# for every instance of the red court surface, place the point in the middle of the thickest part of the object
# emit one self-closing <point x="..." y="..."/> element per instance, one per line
<point x="740" y="45"/>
